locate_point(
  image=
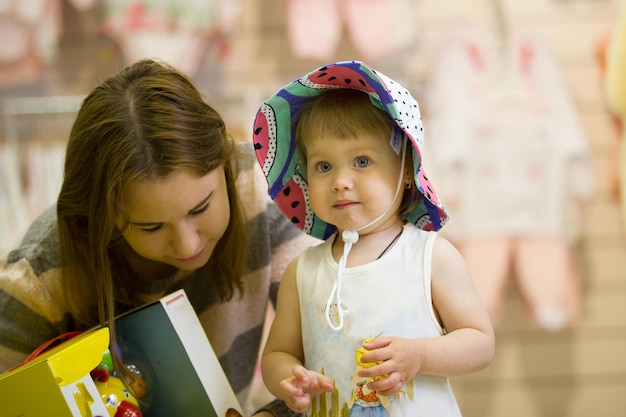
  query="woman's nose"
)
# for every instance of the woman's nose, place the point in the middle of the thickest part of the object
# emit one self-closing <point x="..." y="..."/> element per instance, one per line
<point x="185" y="240"/>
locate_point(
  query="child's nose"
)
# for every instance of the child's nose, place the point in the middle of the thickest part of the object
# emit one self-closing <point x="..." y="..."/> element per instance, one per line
<point x="342" y="180"/>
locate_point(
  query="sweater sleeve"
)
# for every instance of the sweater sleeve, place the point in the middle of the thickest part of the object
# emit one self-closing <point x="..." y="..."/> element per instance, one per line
<point x="286" y="240"/>
<point x="287" y="243"/>
<point x="30" y="290"/>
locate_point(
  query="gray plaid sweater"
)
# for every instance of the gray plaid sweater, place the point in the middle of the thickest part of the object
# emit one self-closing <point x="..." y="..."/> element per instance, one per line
<point x="30" y="288"/>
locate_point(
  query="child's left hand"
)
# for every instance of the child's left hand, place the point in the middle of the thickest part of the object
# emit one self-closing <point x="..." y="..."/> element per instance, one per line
<point x="399" y="360"/>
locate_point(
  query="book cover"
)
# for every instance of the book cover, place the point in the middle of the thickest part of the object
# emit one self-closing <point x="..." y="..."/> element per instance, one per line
<point x="166" y="341"/>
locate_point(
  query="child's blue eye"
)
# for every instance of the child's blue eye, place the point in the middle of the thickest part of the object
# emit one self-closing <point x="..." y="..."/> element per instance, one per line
<point x="362" y="162"/>
<point x="323" y="167"/>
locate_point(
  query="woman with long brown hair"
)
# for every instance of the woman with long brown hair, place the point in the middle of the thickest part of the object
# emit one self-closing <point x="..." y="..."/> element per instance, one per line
<point x="156" y="196"/>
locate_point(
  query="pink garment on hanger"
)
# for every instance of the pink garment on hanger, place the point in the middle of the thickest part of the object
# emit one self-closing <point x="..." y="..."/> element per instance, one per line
<point x="380" y="28"/>
<point x="180" y="33"/>
<point x="512" y="164"/>
<point x="29" y="30"/>
<point x="314" y="28"/>
<point x="377" y="28"/>
<point x="543" y="270"/>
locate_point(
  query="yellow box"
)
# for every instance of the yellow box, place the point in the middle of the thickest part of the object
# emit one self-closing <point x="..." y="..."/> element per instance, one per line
<point x="58" y="382"/>
<point x="185" y="377"/>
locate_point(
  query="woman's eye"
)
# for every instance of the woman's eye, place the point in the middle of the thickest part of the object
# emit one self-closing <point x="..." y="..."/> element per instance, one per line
<point x="323" y="167"/>
<point x="362" y="162"/>
<point x="152" y="229"/>
<point x="200" y="210"/>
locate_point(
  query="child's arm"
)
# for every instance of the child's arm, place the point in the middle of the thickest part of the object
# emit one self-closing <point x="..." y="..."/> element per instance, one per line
<point x="283" y="356"/>
<point x="467" y="346"/>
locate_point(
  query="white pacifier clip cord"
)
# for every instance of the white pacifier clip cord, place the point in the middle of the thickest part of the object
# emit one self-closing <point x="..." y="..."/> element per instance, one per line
<point x="349" y="238"/>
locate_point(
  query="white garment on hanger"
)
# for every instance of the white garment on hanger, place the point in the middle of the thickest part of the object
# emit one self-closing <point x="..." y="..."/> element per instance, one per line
<point x="508" y="160"/>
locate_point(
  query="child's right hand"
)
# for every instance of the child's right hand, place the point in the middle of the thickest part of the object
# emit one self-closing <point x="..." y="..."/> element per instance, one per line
<point x="303" y="386"/>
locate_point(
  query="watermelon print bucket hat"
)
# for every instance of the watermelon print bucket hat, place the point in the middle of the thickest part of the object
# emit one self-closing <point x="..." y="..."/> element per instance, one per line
<point x="281" y="161"/>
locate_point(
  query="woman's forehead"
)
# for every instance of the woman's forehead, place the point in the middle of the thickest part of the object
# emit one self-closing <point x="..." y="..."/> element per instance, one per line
<point x="176" y="194"/>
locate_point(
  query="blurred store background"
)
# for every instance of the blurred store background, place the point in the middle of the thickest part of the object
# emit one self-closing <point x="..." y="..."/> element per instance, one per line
<point x="519" y="138"/>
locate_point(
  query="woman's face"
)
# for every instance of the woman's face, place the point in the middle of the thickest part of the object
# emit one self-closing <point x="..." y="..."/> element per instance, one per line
<point x="178" y="220"/>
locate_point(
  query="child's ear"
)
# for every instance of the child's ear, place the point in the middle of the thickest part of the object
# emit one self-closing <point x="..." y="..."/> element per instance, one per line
<point x="408" y="176"/>
<point x="408" y="166"/>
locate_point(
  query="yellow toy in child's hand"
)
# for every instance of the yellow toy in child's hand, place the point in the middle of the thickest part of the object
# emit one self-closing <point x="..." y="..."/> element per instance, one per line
<point x="362" y="351"/>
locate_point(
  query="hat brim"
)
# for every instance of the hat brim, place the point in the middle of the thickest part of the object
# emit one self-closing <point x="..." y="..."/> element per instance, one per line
<point x="281" y="161"/>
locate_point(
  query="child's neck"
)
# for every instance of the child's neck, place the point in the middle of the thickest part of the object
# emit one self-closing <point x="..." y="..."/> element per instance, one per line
<point x="370" y="246"/>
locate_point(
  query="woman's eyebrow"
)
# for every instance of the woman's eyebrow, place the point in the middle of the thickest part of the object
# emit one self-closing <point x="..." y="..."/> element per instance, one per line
<point x="201" y="203"/>
<point x="197" y="207"/>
